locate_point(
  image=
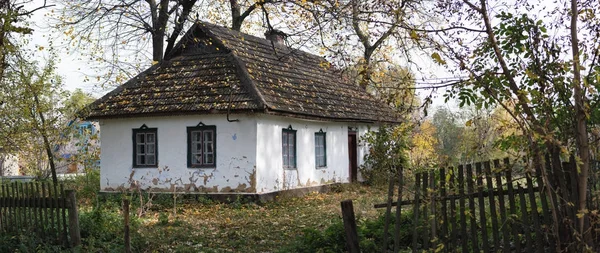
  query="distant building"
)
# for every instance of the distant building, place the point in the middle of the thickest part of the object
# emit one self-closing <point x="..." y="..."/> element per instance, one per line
<point x="80" y="149"/>
<point x="9" y="164"/>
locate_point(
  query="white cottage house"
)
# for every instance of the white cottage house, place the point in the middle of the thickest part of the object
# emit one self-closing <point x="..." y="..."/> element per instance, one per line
<point x="231" y="113"/>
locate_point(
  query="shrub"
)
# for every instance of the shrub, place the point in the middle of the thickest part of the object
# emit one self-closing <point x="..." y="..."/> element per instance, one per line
<point x="387" y="152"/>
<point x="102" y="228"/>
<point x="370" y="233"/>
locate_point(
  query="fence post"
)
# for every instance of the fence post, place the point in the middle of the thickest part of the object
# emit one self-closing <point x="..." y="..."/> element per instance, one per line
<point x="350" y="226"/>
<point x="126" y="229"/>
<point x="73" y="219"/>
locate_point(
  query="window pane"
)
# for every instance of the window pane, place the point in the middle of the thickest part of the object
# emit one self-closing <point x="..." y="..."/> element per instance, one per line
<point x="139" y="138"/>
<point x="197" y="159"/>
<point x="150" y="149"/>
<point x="196" y="137"/>
<point x="150" y="137"/>
<point x="198" y="148"/>
<point x="291" y="139"/>
<point x="141" y="149"/>
<point x="150" y="160"/>
<point x="141" y="160"/>
<point x="285" y="138"/>
<point x="208" y="159"/>
<point x="208" y="135"/>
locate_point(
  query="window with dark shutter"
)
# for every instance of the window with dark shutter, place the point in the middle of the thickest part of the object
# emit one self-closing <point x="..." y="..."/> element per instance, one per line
<point x="145" y="148"/>
<point x="202" y="152"/>
<point x="289" y="148"/>
<point x="320" y="150"/>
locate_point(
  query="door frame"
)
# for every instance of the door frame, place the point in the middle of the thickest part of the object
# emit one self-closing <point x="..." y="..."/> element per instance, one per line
<point x="352" y="156"/>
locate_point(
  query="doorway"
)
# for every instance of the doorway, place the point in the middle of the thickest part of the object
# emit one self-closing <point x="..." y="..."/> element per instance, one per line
<point x="352" y="156"/>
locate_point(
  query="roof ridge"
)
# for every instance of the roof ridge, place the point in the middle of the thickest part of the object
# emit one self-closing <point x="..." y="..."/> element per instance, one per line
<point x="246" y="79"/>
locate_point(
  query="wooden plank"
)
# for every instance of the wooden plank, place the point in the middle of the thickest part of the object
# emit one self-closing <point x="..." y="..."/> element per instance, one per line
<point x="56" y="212"/>
<point x="502" y="207"/>
<point x="433" y="208"/>
<point x="482" y="219"/>
<point x="350" y="226"/>
<point x="388" y="211"/>
<point x="444" y="210"/>
<point x="547" y="222"/>
<point x="45" y="218"/>
<point x="534" y="215"/>
<point x="73" y="219"/>
<point x="2" y="209"/>
<point x="513" y="207"/>
<point x="425" y="216"/>
<point x="416" y="212"/>
<point x="492" y="207"/>
<point x="525" y="221"/>
<point x="398" y="211"/>
<point x="127" y="238"/>
<point x="24" y="199"/>
<point x="473" y="219"/>
<point x="454" y="230"/>
<point x="16" y="202"/>
<point x="462" y="207"/>
<point x="64" y="216"/>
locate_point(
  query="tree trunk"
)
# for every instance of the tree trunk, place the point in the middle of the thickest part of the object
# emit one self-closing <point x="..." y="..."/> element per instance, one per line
<point x="582" y="142"/>
<point x="236" y="21"/>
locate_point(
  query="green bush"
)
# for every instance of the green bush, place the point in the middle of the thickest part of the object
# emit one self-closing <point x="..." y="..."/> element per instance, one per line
<point x="102" y="228"/>
<point x="387" y="153"/>
<point x="370" y="233"/>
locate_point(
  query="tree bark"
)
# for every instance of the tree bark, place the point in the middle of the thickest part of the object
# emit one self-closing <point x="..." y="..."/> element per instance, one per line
<point x="582" y="142"/>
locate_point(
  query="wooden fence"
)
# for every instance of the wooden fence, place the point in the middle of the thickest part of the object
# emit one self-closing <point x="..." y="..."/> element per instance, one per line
<point x="43" y="209"/>
<point x="491" y="206"/>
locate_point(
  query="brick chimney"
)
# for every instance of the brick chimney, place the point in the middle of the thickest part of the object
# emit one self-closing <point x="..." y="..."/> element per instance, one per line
<point x="276" y="36"/>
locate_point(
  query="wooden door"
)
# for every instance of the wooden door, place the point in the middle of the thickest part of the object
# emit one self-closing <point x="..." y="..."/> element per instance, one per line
<point x="352" y="156"/>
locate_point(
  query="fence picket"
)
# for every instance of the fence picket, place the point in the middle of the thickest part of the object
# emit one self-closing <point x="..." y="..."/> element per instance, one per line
<point x="45" y="206"/>
<point x="64" y="215"/>
<point x="513" y="207"/>
<point x="473" y="219"/>
<point x="525" y="218"/>
<point x="2" y="209"/>
<point x="444" y="211"/>
<point x="453" y="232"/>
<point x="502" y="207"/>
<point x="388" y="210"/>
<point x="416" y="212"/>
<point x="425" y="216"/>
<point x="492" y="204"/>
<point x="398" y="211"/>
<point x="462" y="208"/>
<point x="40" y="217"/>
<point x="482" y="218"/>
<point x="536" y="221"/>
<point x="433" y="206"/>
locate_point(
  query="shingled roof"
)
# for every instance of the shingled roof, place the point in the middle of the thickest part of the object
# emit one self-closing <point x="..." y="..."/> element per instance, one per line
<point x="214" y="70"/>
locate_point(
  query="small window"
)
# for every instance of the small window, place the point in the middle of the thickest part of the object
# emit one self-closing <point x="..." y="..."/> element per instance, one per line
<point x="202" y="152"/>
<point x="320" y="150"/>
<point x="145" y="148"/>
<point x="289" y="148"/>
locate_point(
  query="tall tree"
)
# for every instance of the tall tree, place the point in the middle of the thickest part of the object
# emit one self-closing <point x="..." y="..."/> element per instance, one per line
<point x="514" y="61"/>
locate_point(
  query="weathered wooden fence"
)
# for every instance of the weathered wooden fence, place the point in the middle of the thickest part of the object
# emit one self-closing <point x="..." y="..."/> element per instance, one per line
<point x="491" y="206"/>
<point x="43" y="209"/>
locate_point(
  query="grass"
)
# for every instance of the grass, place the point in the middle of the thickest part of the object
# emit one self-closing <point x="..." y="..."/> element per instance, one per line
<point x="202" y="226"/>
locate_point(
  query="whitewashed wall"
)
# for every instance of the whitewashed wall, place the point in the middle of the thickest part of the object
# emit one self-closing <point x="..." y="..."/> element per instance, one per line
<point x="236" y="153"/>
<point x="269" y="162"/>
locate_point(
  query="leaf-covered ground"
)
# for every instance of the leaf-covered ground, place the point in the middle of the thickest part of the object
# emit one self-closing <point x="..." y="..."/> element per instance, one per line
<point x="202" y="226"/>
